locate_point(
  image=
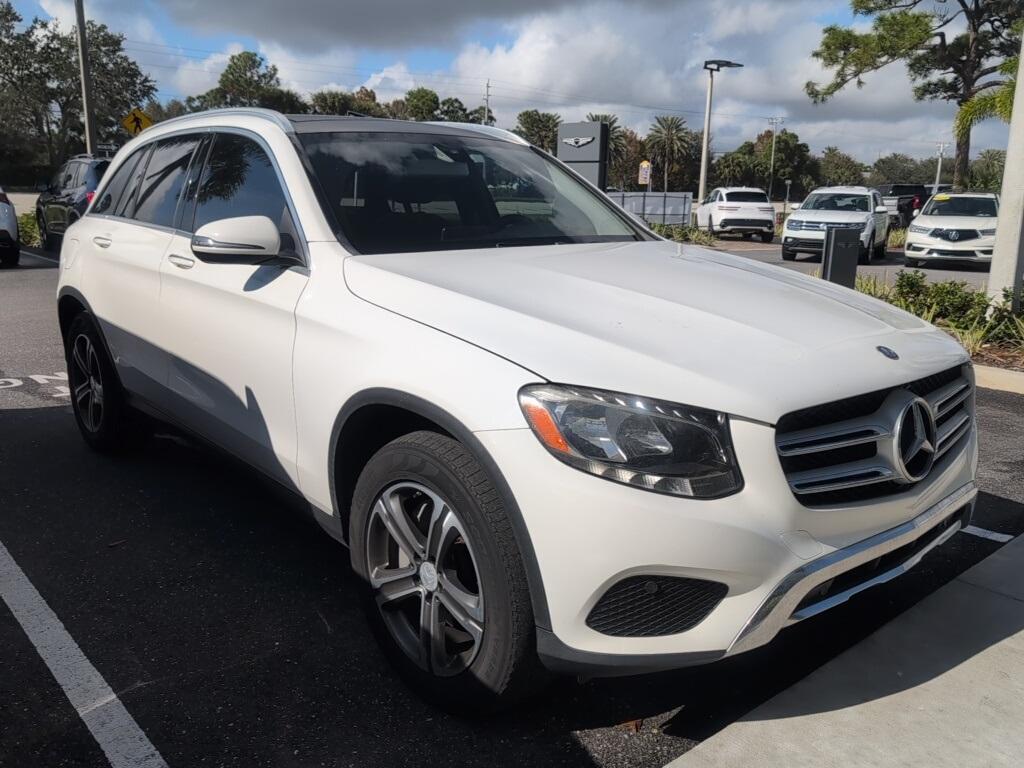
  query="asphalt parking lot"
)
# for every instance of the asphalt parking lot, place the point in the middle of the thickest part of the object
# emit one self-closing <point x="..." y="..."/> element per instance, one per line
<point x="884" y="269"/>
<point x="227" y="625"/>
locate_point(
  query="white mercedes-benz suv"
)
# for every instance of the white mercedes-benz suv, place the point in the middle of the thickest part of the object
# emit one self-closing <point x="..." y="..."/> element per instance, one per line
<point x="550" y="439"/>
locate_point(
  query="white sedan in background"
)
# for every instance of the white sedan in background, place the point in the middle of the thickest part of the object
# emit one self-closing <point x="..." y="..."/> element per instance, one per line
<point x="954" y="227"/>
<point x="740" y="210"/>
<point x="10" y="242"/>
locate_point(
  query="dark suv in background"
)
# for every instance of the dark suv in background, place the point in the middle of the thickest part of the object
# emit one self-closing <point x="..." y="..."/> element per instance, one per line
<point x="64" y="199"/>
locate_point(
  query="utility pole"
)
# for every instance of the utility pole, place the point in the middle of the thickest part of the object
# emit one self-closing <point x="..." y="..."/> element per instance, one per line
<point x="938" y="168"/>
<point x="712" y="66"/>
<point x="487" y="103"/>
<point x="775" y="122"/>
<point x="83" y="66"/>
<point x="1007" y="270"/>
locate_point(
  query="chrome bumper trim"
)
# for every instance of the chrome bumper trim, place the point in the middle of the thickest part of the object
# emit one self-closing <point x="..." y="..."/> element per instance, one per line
<point x="778" y="609"/>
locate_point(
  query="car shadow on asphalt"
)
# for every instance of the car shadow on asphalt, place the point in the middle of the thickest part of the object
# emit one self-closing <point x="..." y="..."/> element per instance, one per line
<point x="230" y="624"/>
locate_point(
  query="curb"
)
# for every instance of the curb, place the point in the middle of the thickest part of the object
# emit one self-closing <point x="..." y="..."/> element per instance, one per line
<point x="990" y="377"/>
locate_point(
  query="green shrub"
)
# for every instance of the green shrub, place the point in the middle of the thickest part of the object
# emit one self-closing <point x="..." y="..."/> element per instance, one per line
<point x="28" y="229"/>
<point x="897" y="238"/>
<point x="683" y="234"/>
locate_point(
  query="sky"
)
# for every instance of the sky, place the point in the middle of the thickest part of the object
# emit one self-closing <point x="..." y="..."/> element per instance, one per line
<point x="634" y="58"/>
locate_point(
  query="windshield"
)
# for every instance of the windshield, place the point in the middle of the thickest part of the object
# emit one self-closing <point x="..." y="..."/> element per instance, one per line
<point x="835" y="201"/>
<point x="746" y="197"/>
<point x="945" y="205"/>
<point x="393" y="192"/>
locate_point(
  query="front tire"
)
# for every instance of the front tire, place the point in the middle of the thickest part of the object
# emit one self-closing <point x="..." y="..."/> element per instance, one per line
<point x="47" y="241"/>
<point x="11" y="257"/>
<point x="444" y="583"/>
<point x="97" y="399"/>
<point x="882" y="246"/>
<point x="788" y="255"/>
<point x="866" y="251"/>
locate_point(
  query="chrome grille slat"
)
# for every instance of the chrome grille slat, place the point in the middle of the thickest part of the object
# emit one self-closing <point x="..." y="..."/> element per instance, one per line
<point x="850" y="475"/>
<point x="840" y="435"/>
<point x="861" y="455"/>
<point x="951" y="431"/>
<point x="946" y="399"/>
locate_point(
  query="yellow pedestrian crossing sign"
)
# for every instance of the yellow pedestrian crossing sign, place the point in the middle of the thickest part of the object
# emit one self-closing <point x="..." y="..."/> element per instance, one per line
<point x="136" y="121"/>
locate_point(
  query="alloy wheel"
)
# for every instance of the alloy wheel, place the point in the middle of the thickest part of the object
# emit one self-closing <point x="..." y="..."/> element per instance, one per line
<point x="86" y="379"/>
<point x="425" y="578"/>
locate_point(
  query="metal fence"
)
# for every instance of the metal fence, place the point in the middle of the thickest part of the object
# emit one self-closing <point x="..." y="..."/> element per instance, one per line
<point x="656" y="207"/>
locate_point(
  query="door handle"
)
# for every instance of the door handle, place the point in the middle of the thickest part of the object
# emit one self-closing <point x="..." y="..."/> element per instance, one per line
<point x="182" y="262"/>
<point x="102" y="241"/>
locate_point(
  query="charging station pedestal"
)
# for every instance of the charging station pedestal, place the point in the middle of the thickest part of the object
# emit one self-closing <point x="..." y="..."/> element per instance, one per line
<point x="840" y="256"/>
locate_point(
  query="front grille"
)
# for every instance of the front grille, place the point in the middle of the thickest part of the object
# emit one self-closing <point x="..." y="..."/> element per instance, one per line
<point x="955" y="235"/>
<point x="855" y="449"/>
<point x="651" y="606"/>
<point x="816" y="226"/>
<point x="759" y="223"/>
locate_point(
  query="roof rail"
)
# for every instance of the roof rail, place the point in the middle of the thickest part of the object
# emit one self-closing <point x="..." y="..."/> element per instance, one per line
<point x="267" y="114"/>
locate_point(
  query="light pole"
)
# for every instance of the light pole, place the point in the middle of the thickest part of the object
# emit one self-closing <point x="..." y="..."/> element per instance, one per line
<point x="83" y="66"/>
<point x="774" y="121"/>
<point x="712" y="66"/>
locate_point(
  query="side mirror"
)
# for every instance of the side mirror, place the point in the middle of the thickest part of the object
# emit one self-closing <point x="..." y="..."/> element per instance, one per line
<point x="239" y="240"/>
<point x="881" y="209"/>
<point x="916" y="213"/>
<point x="794" y="206"/>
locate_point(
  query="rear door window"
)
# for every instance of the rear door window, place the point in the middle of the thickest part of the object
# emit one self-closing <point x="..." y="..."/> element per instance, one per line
<point x="164" y="180"/>
<point x="115" y="187"/>
<point x="126" y="205"/>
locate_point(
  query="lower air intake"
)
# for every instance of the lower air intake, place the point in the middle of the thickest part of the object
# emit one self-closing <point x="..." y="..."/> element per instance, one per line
<point x="650" y="606"/>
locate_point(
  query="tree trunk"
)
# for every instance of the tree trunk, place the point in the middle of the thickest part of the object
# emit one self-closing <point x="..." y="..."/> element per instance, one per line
<point x="962" y="163"/>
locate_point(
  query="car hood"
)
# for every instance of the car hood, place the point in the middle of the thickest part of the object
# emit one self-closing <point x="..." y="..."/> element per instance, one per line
<point x="956" y="222"/>
<point x="662" y="320"/>
<point x="833" y="216"/>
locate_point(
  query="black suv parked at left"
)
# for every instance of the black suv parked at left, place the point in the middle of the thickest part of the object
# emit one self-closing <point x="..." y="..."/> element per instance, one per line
<point x="64" y="199"/>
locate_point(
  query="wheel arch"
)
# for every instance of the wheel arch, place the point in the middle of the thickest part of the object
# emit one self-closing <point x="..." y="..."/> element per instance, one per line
<point x="392" y="413"/>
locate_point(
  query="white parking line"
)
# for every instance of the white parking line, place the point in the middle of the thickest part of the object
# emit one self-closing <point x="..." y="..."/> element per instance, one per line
<point x="39" y="256"/>
<point x="116" y="731"/>
<point x="974" y="530"/>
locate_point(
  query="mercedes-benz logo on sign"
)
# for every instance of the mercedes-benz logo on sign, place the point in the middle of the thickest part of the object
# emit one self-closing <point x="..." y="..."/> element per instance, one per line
<point x="914" y="441"/>
<point x="578" y="141"/>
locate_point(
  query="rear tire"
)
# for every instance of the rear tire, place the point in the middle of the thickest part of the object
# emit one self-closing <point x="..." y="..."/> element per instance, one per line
<point x="711" y="227"/>
<point x="97" y="399"/>
<point x="767" y="237"/>
<point x="467" y="583"/>
<point x="48" y="242"/>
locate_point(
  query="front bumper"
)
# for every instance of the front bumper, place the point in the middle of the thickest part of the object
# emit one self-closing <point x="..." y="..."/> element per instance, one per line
<point x="768" y="549"/>
<point x="809" y="241"/>
<point x="930" y="248"/>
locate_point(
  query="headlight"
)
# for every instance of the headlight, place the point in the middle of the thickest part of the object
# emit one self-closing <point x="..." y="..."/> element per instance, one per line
<point x="650" y="444"/>
<point x="790" y="221"/>
<point x="919" y="230"/>
<point x="986" y="232"/>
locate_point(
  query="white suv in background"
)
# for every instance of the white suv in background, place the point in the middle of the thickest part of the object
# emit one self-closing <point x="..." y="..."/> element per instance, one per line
<point x="858" y="208"/>
<point x="953" y="227"/>
<point x="742" y="210"/>
<point x="10" y="240"/>
<point x="549" y="438"/>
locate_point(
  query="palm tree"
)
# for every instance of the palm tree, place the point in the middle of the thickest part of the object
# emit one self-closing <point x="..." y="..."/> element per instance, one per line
<point x="992" y="102"/>
<point x="668" y="139"/>
<point x="616" y="135"/>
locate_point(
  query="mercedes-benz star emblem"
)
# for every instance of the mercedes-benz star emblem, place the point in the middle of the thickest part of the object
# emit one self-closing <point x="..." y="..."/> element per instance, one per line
<point x="890" y="353"/>
<point x="578" y="141"/>
<point x="914" y="441"/>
